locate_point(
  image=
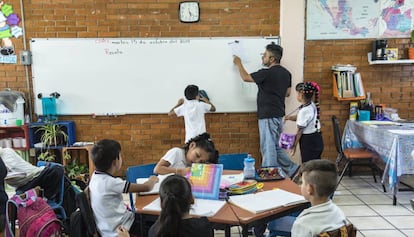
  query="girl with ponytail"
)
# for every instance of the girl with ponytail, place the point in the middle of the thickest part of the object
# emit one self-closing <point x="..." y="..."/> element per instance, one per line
<point x="307" y="120"/>
<point x="175" y="220"/>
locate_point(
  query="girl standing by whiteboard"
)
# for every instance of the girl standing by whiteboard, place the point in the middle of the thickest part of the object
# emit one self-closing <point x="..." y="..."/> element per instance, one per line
<point x="308" y="133"/>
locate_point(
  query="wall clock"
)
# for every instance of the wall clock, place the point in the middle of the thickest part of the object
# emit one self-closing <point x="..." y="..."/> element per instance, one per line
<point x="189" y="11"/>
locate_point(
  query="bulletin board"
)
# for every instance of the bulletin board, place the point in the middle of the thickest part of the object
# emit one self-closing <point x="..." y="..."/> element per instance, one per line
<point x="116" y="76"/>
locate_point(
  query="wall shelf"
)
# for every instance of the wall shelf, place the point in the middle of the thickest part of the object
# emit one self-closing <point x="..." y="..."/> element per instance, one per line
<point x="400" y="61"/>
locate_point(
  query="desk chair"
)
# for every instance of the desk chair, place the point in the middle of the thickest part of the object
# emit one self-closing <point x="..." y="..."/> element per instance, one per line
<point x="138" y="171"/>
<point x="352" y="156"/>
<point x="347" y="230"/>
<point x="232" y="161"/>
<point x="57" y="205"/>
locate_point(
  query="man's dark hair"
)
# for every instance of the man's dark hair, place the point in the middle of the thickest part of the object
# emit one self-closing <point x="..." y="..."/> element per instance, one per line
<point x="276" y="51"/>
<point x="190" y="92"/>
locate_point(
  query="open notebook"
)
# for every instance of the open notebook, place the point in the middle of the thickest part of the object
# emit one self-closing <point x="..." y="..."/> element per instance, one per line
<point x="266" y="200"/>
<point x="156" y="188"/>
<point x="201" y="207"/>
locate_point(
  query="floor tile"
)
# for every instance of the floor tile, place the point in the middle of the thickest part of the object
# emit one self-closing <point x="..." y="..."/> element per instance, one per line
<point x="371" y="223"/>
<point x="408" y="232"/>
<point x="347" y="200"/>
<point x="390" y="210"/>
<point x="369" y="190"/>
<point x="357" y="210"/>
<point x="375" y="199"/>
<point x="382" y="233"/>
<point x="401" y="222"/>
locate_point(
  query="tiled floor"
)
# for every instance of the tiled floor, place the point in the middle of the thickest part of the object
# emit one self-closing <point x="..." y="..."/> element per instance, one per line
<point x="370" y="209"/>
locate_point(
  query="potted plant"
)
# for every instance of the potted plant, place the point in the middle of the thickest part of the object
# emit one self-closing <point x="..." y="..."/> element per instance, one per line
<point x="77" y="173"/>
<point x="411" y="48"/>
<point x="51" y="135"/>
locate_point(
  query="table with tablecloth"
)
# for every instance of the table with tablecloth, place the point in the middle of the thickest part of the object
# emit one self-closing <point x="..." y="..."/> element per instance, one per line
<point x="393" y="141"/>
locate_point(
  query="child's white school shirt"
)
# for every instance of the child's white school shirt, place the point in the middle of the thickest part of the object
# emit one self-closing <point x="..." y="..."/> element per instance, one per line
<point x="193" y="112"/>
<point x="108" y="204"/>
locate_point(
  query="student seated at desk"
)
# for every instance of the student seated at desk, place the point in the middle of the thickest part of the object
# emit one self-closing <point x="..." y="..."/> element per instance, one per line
<point x="318" y="184"/>
<point x="175" y="220"/>
<point x="106" y="191"/>
<point x="177" y="160"/>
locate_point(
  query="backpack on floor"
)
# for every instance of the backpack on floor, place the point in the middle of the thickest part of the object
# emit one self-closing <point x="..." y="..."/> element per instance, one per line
<point x="35" y="217"/>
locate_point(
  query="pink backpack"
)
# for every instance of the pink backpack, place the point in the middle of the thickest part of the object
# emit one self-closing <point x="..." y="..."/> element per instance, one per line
<point x="35" y="217"/>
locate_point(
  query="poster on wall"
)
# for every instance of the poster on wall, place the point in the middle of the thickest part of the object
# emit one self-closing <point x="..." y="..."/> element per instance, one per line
<point x="356" y="19"/>
<point x="9" y="29"/>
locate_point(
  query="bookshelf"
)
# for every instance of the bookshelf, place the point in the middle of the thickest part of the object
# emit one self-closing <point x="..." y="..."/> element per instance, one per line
<point x="346" y="83"/>
<point x="399" y="61"/>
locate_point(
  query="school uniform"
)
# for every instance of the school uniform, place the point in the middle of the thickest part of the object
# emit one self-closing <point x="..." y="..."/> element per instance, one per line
<point x="193" y="112"/>
<point x="310" y="142"/>
<point x="176" y="157"/>
<point x="108" y="204"/>
<point x="317" y="219"/>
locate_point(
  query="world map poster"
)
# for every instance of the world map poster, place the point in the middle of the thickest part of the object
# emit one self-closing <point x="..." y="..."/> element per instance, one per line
<point x="356" y="19"/>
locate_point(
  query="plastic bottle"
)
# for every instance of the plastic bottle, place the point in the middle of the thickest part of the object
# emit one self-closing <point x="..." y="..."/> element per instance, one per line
<point x="249" y="171"/>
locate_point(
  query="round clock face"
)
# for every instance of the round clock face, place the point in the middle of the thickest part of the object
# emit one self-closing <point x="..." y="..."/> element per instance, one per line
<point x="189" y="12"/>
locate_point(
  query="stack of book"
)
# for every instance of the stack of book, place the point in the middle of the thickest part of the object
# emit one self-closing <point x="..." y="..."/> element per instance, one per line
<point x="348" y="81"/>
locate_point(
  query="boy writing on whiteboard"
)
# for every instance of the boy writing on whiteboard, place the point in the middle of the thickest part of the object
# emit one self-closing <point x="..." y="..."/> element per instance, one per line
<point x="193" y="108"/>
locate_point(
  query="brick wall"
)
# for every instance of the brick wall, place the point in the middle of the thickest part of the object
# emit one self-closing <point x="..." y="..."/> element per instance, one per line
<point x="389" y="84"/>
<point x="145" y="138"/>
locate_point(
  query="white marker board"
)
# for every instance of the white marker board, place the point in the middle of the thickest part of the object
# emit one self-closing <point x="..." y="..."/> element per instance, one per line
<point x="112" y="76"/>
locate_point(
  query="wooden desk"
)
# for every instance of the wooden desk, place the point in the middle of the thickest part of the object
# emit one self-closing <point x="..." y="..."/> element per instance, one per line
<point x="231" y="215"/>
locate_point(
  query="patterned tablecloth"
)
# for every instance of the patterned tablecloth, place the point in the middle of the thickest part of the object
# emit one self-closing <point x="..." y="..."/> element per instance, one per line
<point x="394" y="142"/>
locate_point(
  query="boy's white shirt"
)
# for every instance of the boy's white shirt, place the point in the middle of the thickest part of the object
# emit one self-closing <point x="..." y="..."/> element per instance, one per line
<point x="108" y="204"/>
<point x="193" y="112"/>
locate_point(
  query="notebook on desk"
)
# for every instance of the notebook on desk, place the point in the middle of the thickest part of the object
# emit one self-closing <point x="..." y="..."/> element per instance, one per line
<point x="156" y="188"/>
<point x="205" y="180"/>
<point x="201" y="207"/>
<point x="266" y="200"/>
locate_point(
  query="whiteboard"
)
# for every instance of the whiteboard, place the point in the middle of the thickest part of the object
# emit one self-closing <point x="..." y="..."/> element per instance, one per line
<point x="115" y="76"/>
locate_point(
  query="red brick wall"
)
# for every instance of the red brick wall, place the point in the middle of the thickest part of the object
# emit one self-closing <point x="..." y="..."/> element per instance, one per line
<point x="145" y="138"/>
<point x="391" y="85"/>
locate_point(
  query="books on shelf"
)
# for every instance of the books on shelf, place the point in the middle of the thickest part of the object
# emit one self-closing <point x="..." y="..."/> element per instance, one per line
<point x="201" y="207"/>
<point x="348" y="82"/>
<point x="266" y="200"/>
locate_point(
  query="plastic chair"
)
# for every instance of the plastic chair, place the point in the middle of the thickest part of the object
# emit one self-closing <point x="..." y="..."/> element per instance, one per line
<point x="352" y="155"/>
<point x="232" y="161"/>
<point x="138" y="171"/>
<point x="57" y="205"/>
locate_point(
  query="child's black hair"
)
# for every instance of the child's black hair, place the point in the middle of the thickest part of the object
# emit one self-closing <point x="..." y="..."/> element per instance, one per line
<point x="322" y="174"/>
<point x="191" y="92"/>
<point x="204" y="142"/>
<point x="176" y="199"/>
<point x="275" y="50"/>
<point x="310" y="90"/>
<point x="104" y="153"/>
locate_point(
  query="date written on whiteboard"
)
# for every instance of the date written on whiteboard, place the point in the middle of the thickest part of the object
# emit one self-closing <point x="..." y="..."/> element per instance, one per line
<point x="113" y="52"/>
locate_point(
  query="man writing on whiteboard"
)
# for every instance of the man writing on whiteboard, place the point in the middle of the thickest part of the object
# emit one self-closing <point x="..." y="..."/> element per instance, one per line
<point x="274" y="84"/>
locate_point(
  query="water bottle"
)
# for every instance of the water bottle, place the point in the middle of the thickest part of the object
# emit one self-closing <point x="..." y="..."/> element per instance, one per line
<point x="249" y="171"/>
